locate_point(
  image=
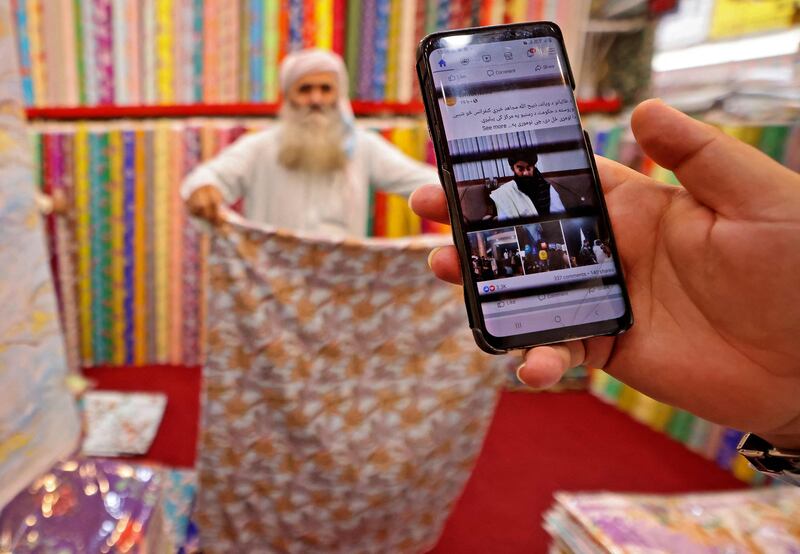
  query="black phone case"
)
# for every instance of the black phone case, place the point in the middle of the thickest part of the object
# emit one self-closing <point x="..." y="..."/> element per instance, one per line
<point x="449" y="185"/>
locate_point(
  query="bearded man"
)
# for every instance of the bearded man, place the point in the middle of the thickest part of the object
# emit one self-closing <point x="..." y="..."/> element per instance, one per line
<point x="528" y="193"/>
<point x="313" y="169"/>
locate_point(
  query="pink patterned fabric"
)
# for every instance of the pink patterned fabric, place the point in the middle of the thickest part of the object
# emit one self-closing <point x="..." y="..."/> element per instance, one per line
<point x="345" y="401"/>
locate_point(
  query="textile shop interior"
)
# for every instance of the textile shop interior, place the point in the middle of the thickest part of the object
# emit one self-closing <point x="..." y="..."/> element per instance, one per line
<point x="219" y="329"/>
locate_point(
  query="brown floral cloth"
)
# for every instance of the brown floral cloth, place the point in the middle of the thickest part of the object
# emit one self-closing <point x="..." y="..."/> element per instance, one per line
<point x="345" y="401"/>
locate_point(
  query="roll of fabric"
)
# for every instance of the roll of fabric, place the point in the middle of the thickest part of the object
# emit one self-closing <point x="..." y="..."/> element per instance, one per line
<point x="129" y="253"/>
<point x="104" y="50"/>
<point x="161" y="231"/>
<point x="83" y="241"/>
<point x="66" y="246"/>
<point x="117" y="231"/>
<point x="140" y="261"/>
<point x="176" y="246"/>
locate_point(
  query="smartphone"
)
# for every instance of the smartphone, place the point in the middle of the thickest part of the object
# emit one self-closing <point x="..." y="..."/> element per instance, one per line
<point x="537" y="251"/>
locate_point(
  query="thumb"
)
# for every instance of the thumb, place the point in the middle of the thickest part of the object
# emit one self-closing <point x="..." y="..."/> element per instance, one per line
<point x="725" y="174"/>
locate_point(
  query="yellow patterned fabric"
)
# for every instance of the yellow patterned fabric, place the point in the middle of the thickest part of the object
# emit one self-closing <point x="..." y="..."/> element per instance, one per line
<point x="345" y="401"/>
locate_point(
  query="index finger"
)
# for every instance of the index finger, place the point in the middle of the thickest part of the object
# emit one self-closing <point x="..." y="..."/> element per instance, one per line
<point x="429" y="202"/>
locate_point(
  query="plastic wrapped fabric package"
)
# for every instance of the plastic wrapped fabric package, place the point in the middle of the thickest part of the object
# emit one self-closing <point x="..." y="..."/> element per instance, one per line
<point x="120" y="423"/>
<point x="38" y="419"/>
<point x="345" y="401"/>
<point x="87" y="505"/>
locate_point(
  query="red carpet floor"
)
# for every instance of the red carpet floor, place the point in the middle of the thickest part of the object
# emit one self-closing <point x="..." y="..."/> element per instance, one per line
<point x="537" y="444"/>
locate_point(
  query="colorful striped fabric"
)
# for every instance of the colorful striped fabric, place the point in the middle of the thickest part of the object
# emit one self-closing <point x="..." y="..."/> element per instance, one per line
<point x="255" y="53"/>
<point x="104" y="51"/>
<point x="129" y="264"/>
<point x="220" y="51"/>
<point x="381" y="46"/>
<point x="295" y="25"/>
<point x="128" y="242"/>
<point x="366" y="54"/>
<point x="66" y="271"/>
<point x="165" y="48"/>
<point x="271" y="50"/>
<point x="23" y="49"/>
<point x="117" y="231"/>
<point x="149" y="53"/>
<point x="98" y="214"/>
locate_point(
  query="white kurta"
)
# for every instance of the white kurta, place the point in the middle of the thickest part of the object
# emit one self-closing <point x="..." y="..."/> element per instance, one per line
<point x="512" y="203"/>
<point x="334" y="203"/>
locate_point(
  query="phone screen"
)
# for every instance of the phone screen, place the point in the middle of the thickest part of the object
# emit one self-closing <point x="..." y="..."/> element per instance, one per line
<point x="540" y="250"/>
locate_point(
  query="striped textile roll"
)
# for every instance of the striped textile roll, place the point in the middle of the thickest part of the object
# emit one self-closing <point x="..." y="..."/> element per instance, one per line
<point x="117" y="232"/>
<point x="191" y="261"/>
<point x="197" y="54"/>
<point x="133" y="53"/>
<point x="271" y="50"/>
<point x="140" y="252"/>
<point x="99" y="235"/>
<point x="211" y="37"/>
<point x="104" y="51"/>
<point x="323" y="12"/>
<point x="392" y="51"/>
<point x="255" y="53"/>
<point x="24" y="50"/>
<point x="378" y="91"/>
<point x="65" y="246"/>
<point x="442" y="14"/>
<point x="152" y="294"/>
<point x="83" y="241"/>
<point x="129" y="215"/>
<point x="165" y="49"/>
<point x="121" y="55"/>
<point x="366" y="58"/>
<point x="229" y="49"/>
<point x="295" y="25"/>
<point x="176" y="252"/>
<point x="310" y="28"/>
<point x="162" y="231"/>
<point x="35" y="42"/>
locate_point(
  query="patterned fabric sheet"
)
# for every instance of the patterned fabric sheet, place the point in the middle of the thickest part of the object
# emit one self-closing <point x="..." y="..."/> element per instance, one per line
<point x="345" y="401"/>
<point x="118" y="423"/>
<point x="38" y="418"/>
<point x="756" y="521"/>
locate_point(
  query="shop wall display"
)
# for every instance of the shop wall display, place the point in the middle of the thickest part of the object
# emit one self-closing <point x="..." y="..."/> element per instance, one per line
<point x="127" y="260"/>
<point x="115" y="52"/>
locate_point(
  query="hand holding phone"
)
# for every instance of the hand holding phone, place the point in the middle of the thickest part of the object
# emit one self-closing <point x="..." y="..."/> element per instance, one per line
<point x="537" y="253"/>
<point x="715" y="332"/>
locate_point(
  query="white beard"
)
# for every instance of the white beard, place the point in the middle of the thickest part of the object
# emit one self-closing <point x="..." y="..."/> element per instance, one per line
<point x="312" y="140"/>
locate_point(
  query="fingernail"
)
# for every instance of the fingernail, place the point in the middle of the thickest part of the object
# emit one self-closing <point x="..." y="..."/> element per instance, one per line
<point x="410" y="197"/>
<point x="432" y="254"/>
<point x="518" y="370"/>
